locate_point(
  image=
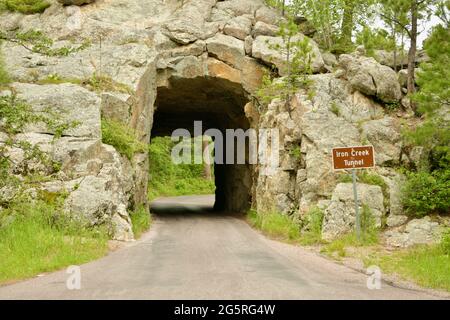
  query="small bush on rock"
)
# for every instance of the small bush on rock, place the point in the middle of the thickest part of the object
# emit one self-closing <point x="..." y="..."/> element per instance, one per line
<point x="122" y="138"/>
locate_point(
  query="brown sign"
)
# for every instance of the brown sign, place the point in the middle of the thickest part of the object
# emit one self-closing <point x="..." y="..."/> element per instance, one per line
<point x="353" y="158"/>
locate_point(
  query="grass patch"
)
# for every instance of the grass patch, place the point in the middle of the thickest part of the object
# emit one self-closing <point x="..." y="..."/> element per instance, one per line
<point x="121" y="137"/>
<point x="36" y="238"/>
<point x="312" y="228"/>
<point x="426" y="265"/>
<point x="4" y="77"/>
<point x="101" y="83"/>
<point x="24" y="6"/>
<point x="141" y="220"/>
<point x="275" y="225"/>
<point x="338" y="248"/>
<point x="168" y="179"/>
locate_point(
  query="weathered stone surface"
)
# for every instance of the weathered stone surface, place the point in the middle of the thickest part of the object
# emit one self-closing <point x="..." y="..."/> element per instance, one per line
<point x="339" y="217"/>
<point x="396" y="220"/>
<point x="329" y="59"/>
<point x="227" y="49"/>
<point x="417" y="231"/>
<point x="263" y="49"/>
<point x="102" y="199"/>
<point x="239" y="27"/>
<point x="116" y="106"/>
<point x="384" y="135"/>
<point x="251" y="75"/>
<point x="386" y="58"/>
<point x="239" y="8"/>
<point x="264" y="29"/>
<point x="69" y="102"/>
<point x="371" y="78"/>
<point x="267" y="15"/>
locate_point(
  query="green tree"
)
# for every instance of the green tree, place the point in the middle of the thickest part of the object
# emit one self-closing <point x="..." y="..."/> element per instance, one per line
<point x="297" y="54"/>
<point x="417" y="10"/>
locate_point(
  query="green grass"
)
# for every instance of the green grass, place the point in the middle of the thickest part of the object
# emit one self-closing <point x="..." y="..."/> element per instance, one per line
<point x="168" y="179"/>
<point x="141" y="220"/>
<point x="338" y="248"/>
<point x="4" y="77"/>
<point x="24" y="6"/>
<point x="122" y="138"/>
<point x="275" y="225"/>
<point x="428" y="266"/>
<point x="35" y="238"/>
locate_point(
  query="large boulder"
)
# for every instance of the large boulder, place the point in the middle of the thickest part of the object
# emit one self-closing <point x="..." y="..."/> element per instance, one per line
<point x="417" y="231"/>
<point x="371" y="78"/>
<point x="339" y="217"/>
<point x="264" y="29"/>
<point x="239" y="27"/>
<point x="227" y="49"/>
<point x="384" y="135"/>
<point x="264" y="49"/>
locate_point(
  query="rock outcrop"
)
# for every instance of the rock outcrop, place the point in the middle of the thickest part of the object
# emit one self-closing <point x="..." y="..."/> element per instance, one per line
<point x="213" y="54"/>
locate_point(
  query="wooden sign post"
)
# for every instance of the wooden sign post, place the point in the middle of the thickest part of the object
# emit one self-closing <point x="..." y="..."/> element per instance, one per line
<point x="352" y="158"/>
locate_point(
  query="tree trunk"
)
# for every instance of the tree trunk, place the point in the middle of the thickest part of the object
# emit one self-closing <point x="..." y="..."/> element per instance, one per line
<point x="347" y="22"/>
<point x="412" y="51"/>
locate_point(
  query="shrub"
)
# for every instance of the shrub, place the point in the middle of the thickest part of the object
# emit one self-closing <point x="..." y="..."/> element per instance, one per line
<point x="275" y="225"/>
<point x="312" y="229"/>
<point x="140" y="220"/>
<point x="426" y="193"/>
<point x="122" y="138"/>
<point x="445" y="243"/>
<point x="26" y="6"/>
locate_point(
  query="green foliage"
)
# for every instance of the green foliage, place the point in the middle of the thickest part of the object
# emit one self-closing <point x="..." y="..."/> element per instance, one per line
<point x="312" y="227"/>
<point x="121" y="137"/>
<point x="140" y="220"/>
<point x="427" y="190"/>
<point x="100" y="83"/>
<point x="297" y="53"/>
<point x="335" y="109"/>
<point x="4" y="77"/>
<point x="36" y="237"/>
<point x="16" y="114"/>
<point x="169" y="179"/>
<point x="338" y="248"/>
<point x="434" y="76"/>
<point x="376" y="39"/>
<point x="426" y="193"/>
<point x="445" y="242"/>
<point x="25" y="6"/>
<point x="295" y="152"/>
<point x="275" y="225"/>
<point x="37" y="42"/>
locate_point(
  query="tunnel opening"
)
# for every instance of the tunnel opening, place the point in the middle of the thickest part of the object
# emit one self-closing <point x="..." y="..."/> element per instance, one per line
<point x="208" y="106"/>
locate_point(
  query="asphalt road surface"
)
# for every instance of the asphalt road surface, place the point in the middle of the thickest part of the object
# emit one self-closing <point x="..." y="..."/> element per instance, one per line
<point x="194" y="253"/>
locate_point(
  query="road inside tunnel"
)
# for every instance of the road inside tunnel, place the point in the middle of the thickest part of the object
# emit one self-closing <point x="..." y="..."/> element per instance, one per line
<point x="206" y="106"/>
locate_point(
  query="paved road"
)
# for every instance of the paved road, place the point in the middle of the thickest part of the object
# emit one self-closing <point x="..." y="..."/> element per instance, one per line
<point x="193" y="253"/>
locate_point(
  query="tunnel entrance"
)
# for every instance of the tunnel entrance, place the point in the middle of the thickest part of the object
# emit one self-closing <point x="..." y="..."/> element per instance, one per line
<point x="217" y="104"/>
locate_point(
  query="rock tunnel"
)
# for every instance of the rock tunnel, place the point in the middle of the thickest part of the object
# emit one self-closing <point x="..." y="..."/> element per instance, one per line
<point x="218" y="102"/>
